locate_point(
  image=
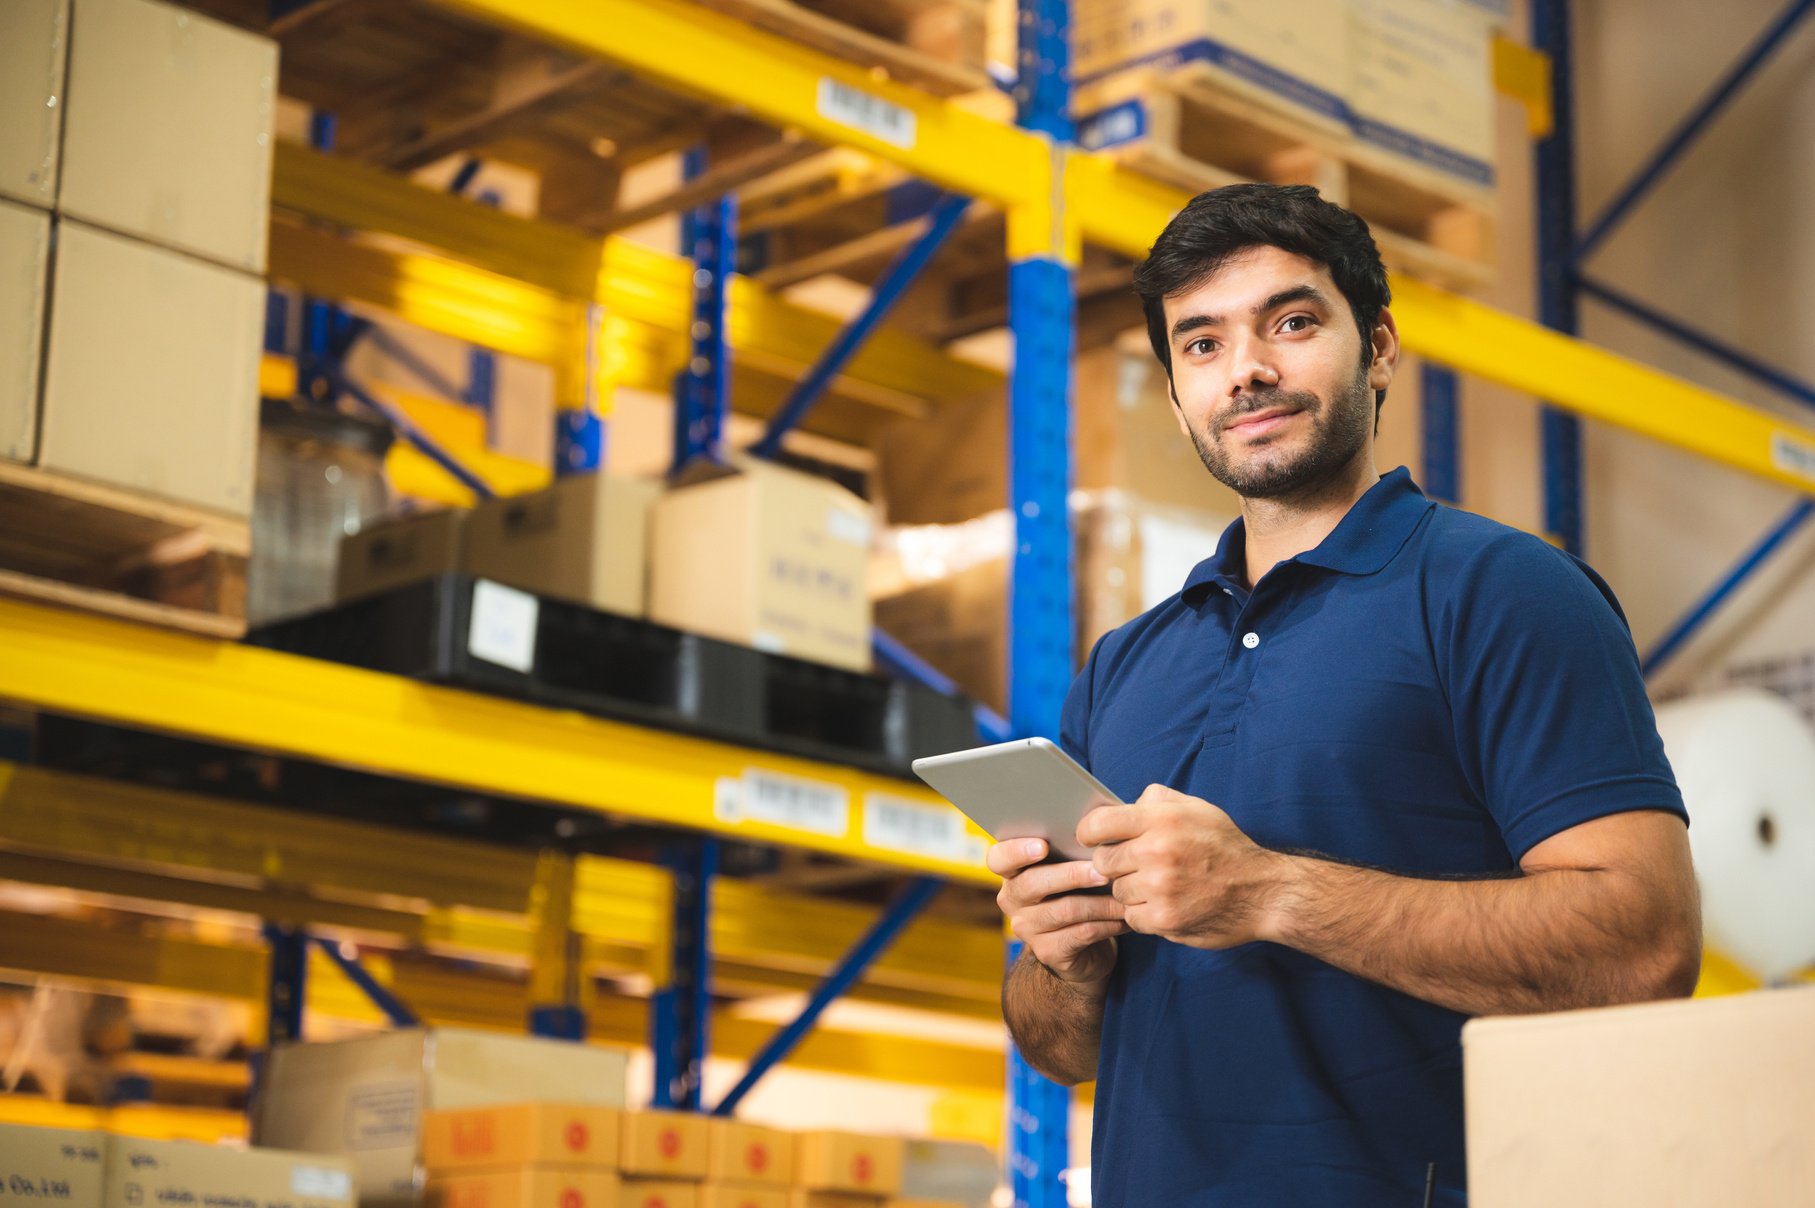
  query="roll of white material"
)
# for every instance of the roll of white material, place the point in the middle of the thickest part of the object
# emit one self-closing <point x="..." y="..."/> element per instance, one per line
<point x="1745" y="760"/>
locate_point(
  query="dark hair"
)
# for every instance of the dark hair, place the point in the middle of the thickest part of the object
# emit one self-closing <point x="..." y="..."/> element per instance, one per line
<point x="1215" y="226"/>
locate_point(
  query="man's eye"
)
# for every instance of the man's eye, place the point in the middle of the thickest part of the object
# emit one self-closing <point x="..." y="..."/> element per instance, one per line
<point x="1296" y="322"/>
<point x="1200" y="347"/>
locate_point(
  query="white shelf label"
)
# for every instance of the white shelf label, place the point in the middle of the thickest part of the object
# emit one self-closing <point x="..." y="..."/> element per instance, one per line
<point x="320" y="1183"/>
<point x="503" y="629"/>
<point x="915" y="829"/>
<point x="853" y="107"/>
<point x="848" y="527"/>
<point x="806" y="805"/>
<point x="1793" y="456"/>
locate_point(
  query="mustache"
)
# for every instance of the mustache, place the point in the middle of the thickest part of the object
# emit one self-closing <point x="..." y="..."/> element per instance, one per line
<point x="1267" y="400"/>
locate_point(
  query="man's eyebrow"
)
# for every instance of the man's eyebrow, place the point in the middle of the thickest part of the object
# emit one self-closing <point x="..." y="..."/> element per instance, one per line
<point x="1296" y="293"/>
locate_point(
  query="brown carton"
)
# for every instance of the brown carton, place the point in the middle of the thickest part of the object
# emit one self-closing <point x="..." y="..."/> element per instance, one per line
<point x="848" y="1162"/>
<point x="663" y="1145"/>
<point x="151" y="379"/>
<point x="24" y="261"/>
<point x="659" y="1193"/>
<point x="400" y="551"/>
<point x="583" y="539"/>
<point x="521" y="1134"/>
<point x="766" y="557"/>
<point x="51" y="1166"/>
<point x="800" y="1197"/>
<point x="365" y="1098"/>
<point x="1708" y="1101"/>
<point x="746" y="1154"/>
<point x="168" y="134"/>
<point x="524" y="1187"/>
<point x="742" y="1195"/>
<point x="34" y="46"/>
<point x="142" y="1174"/>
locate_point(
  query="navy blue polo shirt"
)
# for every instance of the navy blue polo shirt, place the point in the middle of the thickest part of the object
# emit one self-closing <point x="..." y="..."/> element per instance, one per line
<point x="1427" y="692"/>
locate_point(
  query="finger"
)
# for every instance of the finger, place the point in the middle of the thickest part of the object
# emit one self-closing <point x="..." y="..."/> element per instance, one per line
<point x="1012" y="855"/>
<point x="1067" y="910"/>
<point x="1059" y="946"/>
<point x="1110" y="824"/>
<point x="1114" y="859"/>
<point x="1128" y="890"/>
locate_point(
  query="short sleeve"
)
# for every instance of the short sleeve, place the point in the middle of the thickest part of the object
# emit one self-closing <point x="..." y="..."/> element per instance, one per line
<point x="1553" y="725"/>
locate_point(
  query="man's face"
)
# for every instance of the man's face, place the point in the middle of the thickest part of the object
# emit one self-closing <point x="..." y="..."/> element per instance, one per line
<point x="1268" y="376"/>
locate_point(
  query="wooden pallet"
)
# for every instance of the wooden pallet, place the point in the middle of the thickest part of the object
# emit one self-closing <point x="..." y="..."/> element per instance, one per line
<point x="1202" y="134"/>
<point x="104" y="549"/>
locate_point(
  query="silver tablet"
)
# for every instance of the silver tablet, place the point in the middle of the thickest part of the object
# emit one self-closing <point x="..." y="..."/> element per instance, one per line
<point x="1026" y="789"/>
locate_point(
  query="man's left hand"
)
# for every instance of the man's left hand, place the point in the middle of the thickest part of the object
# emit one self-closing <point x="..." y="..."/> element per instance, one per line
<point x="1183" y="869"/>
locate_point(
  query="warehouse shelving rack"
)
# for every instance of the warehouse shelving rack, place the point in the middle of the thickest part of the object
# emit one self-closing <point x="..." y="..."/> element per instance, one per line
<point x="557" y="295"/>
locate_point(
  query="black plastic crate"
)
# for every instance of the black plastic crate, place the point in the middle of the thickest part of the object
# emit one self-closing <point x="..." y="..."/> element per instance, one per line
<point x="633" y="670"/>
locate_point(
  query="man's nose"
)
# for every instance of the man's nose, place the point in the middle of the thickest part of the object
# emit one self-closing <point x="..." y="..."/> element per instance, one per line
<point x="1253" y="367"/>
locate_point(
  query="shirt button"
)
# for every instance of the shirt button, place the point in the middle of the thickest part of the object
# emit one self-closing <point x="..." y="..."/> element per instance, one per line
<point x="1250" y="640"/>
<point x="1227" y="592"/>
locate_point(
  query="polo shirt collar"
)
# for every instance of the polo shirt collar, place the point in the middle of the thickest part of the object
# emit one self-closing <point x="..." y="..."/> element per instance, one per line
<point x="1363" y="541"/>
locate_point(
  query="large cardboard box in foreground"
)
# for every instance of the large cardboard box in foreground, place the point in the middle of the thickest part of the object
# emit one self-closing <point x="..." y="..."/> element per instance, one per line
<point x="1423" y="87"/>
<point x="1709" y="1101"/>
<point x="366" y="1098"/>
<point x="24" y="268"/>
<point x="145" y="1174"/>
<point x="169" y="131"/>
<point x="34" y="47"/>
<point x="151" y="379"/>
<point x="766" y="557"/>
<point x="51" y="1165"/>
<point x="583" y="539"/>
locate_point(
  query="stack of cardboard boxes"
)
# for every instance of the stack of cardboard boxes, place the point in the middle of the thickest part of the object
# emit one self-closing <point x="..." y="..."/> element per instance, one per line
<point x="135" y="165"/>
<point x="91" y="1169"/>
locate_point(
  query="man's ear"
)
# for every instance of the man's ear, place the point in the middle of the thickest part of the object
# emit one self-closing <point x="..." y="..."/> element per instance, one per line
<point x="1384" y="359"/>
<point x="1178" y="412"/>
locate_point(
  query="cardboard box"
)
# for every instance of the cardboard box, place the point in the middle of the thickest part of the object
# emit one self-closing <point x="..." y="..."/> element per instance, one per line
<point x="151" y="378"/>
<point x="34" y="47"/>
<point x="952" y="465"/>
<point x="1708" y="1101"/>
<point x="524" y="1187"/>
<point x="583" y="539"/>
<point x="396" y="552"/>
<point x="24" y="268"/>
<point x="848" y="1162"/>
<point x="766" y="557"/>
<point x="658" y="1193"/>
<point x="917" y="1202"/>
<point x="1422" y="84"/>
<point x="575" y="1135"/>
<point x="1291" y="58"/>
<point x="51" y="1166"/>
<point x="742" y="1195"/>
<point x="169" y="129"/>
<point x="747" y="1154"/>
<point x="800" y="1197"/>
<point x="142" y="1174"/>
<point x="663" y="1145"/>
<point x="365" y="1098"/>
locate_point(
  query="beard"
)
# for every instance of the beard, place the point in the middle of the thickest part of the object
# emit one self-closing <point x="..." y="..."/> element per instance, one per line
<point x="1339" y="430"/>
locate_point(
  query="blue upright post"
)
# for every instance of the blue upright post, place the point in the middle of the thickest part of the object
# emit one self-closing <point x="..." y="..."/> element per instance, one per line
<point x="289" y="983"/>
<point x="1561" y="432"/>
<point x="318" y="316"/>
<point x="1041" y="305"/>
<point x="1442" y="433"/>
<point x="702" y="390"/>
<point x="481" y="365"/>
<point x="680" y="1011"/>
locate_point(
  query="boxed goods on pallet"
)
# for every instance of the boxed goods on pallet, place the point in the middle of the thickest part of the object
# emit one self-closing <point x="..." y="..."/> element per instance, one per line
<point x="34" y="42"/>
<point x="1293" y="58"/>
<point x="850" y="1163"/>
<point x="663" y="1145"/>
<point x="766" y="557"/>
<point x="532" y="1133"/>
<point x="658" y="1193"/>
<point x="168" y="135"/>
<point x="24" y="277"/>
<point x="583" y="539"/>
<point x="742" y="1153"/>
<point x="141" y="1173"/>
<point x="398" y="551"/>
<point x="1422" y="85"/>
<point x="151" y="370"/>
<point x="525" y="1187"/>
<point x="742" y="1195"/>
<point x="52" y="1165"/>
<point x="1699" y="1102"/>
<point x="366" y="1098"/>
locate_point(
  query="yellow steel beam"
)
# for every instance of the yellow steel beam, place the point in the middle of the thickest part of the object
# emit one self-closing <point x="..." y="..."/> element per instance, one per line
<point x="828" y="99"/>
<point x="204" y="1124"/>
<point x="276" y="376"/>
<point x="243" y="696"/>
<point x="1524" y="74"/>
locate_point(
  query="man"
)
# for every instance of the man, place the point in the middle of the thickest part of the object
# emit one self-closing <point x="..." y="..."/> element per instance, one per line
<point x="1391" y="765"/>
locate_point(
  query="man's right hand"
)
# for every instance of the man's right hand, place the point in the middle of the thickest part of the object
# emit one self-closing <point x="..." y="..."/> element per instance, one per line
<point x="1072" y="934"/>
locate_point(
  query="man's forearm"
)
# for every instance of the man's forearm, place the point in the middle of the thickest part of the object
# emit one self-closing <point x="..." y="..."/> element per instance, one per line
<point x="1549" y="941"/>
<point x="1057" y="1025"/>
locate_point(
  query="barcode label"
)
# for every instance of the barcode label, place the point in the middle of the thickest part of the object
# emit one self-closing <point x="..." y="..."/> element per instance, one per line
<point x="1792" y="456"/>
<point x="809" y="805"/>
<point x="937" y="832"/>
<point x="859" y="110"/>
<point x="503" y="629"/>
